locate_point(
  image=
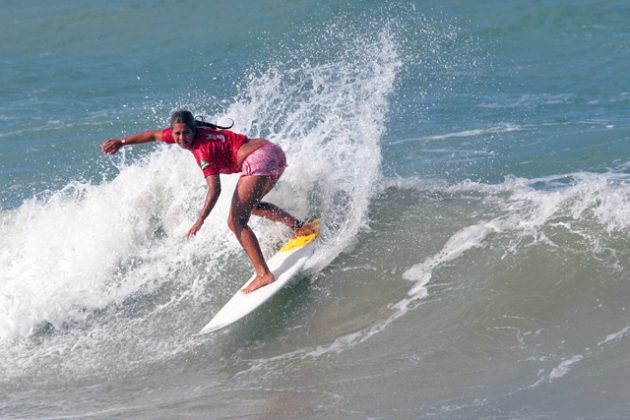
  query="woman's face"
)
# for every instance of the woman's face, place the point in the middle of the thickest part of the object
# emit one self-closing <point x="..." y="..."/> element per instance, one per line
<point x="183" y="135"/>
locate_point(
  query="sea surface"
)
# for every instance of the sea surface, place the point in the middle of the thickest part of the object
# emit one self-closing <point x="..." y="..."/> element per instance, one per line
<point x="469" y="162"/>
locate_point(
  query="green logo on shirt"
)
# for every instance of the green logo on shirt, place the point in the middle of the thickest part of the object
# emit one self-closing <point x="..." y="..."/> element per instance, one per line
<point x="204" y="164"/>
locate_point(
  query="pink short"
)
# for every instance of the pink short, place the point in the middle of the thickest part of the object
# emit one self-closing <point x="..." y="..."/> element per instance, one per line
<point x="268" y="160"/>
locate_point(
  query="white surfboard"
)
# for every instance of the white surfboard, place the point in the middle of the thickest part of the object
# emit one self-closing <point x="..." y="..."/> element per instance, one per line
<point x="285" y="264"/>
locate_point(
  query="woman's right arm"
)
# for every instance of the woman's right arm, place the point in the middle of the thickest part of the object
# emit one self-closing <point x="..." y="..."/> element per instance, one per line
<point x="111" y="146"/>
<point x="212" y="195"/>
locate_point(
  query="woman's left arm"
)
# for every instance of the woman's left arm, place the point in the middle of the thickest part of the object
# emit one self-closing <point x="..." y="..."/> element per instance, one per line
<point x="214" y="190"/>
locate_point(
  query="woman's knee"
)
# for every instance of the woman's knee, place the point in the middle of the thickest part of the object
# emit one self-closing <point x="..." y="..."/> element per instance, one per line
<point x="236" y="223"/>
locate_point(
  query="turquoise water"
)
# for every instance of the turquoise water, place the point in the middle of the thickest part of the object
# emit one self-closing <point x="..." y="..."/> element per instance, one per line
<point x="469" y="162"/>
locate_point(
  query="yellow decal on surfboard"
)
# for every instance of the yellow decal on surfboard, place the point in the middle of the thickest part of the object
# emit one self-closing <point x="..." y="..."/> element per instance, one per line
<point x="300" y="241"/>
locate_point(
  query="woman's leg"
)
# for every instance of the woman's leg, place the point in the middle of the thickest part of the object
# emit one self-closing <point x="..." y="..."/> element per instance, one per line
<point x="274" y="213"/>
<point x="247" y="195"/>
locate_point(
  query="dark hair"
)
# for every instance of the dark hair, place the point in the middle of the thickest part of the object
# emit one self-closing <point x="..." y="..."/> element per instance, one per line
<point x="186" y="117"/>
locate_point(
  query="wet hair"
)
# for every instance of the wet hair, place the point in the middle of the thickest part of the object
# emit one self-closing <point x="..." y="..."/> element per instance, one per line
<point x="186" y="117"/>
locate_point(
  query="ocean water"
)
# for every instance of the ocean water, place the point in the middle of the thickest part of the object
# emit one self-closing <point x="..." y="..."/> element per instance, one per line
<point x="470" y="164"/>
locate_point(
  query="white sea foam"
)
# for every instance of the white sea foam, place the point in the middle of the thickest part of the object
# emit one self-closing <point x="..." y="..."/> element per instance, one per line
<point x="61" y="254"/>
<point x="614" y="336"/>
<point x="564" y="367"/>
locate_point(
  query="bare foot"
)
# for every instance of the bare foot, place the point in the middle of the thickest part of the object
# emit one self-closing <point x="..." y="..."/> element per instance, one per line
<point x="306" y="229"/>
<point x="259" y="282"/>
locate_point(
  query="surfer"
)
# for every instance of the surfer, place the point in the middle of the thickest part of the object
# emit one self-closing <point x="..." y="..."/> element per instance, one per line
<point x="220" y="151"/>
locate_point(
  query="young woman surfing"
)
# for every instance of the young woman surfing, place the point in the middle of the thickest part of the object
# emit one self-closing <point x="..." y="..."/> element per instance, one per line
<point x="220" y="151"/>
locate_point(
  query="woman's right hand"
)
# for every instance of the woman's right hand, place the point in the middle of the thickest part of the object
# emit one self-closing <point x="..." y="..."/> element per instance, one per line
<point x="111" y="146"/>
<point x="195" y="228"/>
